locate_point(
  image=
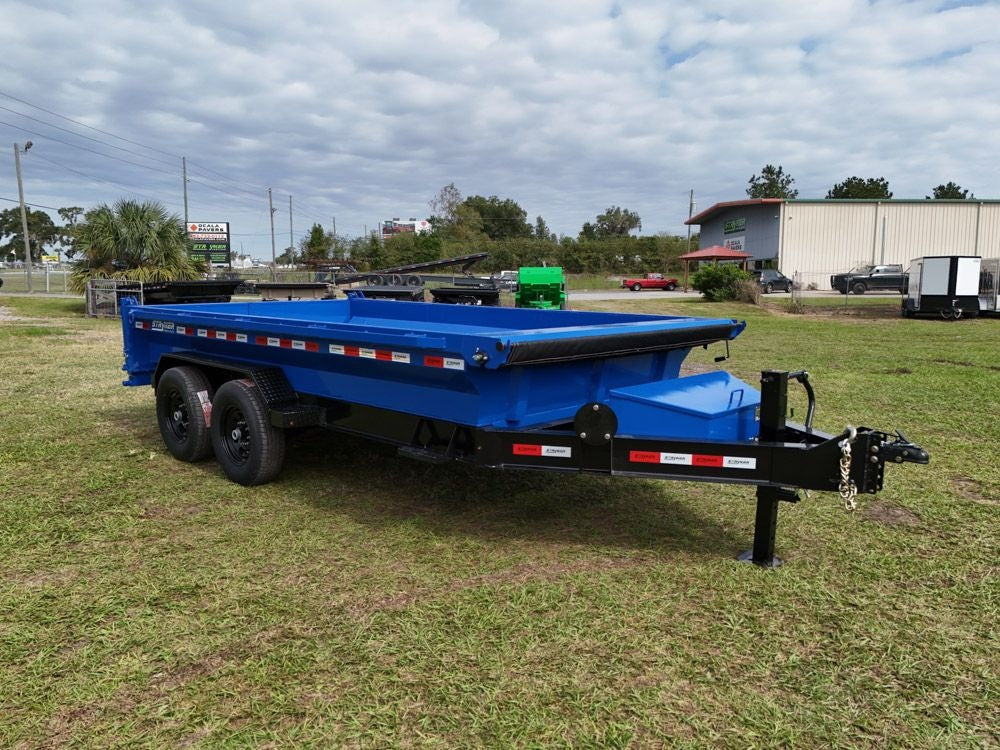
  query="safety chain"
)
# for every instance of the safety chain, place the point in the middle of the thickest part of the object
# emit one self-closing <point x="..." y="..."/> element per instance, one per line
<point x="848" y="489"/>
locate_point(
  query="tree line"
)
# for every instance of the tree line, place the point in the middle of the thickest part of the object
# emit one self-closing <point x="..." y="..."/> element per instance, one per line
<point x="500" y="227"/>
<point x="774" y="182"/>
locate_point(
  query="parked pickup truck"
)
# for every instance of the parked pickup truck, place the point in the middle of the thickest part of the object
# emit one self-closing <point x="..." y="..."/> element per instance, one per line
<point x="650" y="281"/>
<point x="861" y="279"/>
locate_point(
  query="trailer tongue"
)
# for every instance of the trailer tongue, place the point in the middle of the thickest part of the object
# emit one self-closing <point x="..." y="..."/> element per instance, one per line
<point x="506" y="388"/>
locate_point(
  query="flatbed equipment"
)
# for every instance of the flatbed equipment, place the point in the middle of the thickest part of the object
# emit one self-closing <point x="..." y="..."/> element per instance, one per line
<point x="500" y="387"/>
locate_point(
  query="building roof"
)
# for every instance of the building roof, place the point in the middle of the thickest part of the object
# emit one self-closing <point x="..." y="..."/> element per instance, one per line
<point x="716" y="252"/>
<point x="712" y="210"/>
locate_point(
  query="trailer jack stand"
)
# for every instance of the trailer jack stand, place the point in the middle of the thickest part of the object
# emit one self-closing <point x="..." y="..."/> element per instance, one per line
<point x="765" y="525"/>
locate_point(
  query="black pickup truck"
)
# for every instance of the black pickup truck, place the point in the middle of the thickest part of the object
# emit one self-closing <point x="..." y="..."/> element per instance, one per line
<point x="861" y="279"/>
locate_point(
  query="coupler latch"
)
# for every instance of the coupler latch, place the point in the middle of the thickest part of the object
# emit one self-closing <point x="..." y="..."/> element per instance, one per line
<point x="901" y="450"/>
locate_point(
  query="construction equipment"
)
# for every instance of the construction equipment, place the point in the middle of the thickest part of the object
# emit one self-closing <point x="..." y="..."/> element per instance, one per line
<point x="543" y="288"/>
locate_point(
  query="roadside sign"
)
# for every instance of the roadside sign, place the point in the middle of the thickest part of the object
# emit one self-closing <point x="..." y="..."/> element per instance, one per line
<point x="209" y="241"/>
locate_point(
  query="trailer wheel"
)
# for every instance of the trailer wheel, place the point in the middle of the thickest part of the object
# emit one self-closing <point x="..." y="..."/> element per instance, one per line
<point x="182" y="395"/>
<point x="247" y="446"/>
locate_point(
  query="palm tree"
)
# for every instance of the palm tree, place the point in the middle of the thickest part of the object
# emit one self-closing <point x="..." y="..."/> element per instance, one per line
<point x="134" y="241"/>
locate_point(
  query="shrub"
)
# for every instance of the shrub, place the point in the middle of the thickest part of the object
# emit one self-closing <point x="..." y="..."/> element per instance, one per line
<point x="719" y="282"/>
<point x="747" y="290"/>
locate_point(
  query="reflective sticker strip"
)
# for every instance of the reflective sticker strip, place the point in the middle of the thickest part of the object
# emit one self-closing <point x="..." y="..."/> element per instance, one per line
<point x="692" y="459"/>
<point x="445" y="362"/>
<point x="545" y="451"/>
<point x="381" y="355"/>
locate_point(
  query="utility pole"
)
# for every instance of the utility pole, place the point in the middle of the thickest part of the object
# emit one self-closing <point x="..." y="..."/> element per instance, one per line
<point x="24" y="214"/>
<point x="690" y="214"/>
<point x="291" y="240"/>
<point x="270" y="205"/>
<point x="184" y="169"/>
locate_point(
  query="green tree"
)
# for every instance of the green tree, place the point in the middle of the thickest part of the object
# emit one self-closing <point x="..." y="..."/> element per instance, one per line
<point x="950" y="191"/>
<point x="615" y="222"/>
<point x="874" y="188"/>
<point x="131" y="240"/>
<point x="501" y="219"/>
<point x="772" y="182"/>
<point x="542" y="231"/>
<point x="316" y="245"/>
<point x="41" y="232"/>
<point x="67" y="232"/>
<point x="412" y="247"/>
<point x="452" y="219"/>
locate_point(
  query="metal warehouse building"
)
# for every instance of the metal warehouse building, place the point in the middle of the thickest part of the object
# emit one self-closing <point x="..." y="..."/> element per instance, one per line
<point x="821" y="237"/>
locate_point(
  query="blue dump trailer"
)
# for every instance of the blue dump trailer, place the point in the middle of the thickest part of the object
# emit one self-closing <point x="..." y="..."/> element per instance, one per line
<point x="505" y="388"/>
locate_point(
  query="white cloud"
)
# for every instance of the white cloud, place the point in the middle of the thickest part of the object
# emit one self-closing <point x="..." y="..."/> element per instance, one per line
<point x="365" y="111"/>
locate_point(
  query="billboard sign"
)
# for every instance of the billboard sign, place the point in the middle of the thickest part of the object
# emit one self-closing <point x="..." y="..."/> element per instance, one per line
<point x="395" y="226"/>
<point x="209" y="241"/>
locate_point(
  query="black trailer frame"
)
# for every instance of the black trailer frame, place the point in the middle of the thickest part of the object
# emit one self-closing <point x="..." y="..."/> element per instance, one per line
<point x="785" y="458"/>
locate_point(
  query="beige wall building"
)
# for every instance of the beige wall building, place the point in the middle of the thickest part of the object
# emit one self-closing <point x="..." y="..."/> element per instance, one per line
<point x="818" y="238"/>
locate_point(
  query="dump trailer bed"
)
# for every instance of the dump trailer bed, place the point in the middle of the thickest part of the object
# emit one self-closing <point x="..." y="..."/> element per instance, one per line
<point x="507" y="388"/>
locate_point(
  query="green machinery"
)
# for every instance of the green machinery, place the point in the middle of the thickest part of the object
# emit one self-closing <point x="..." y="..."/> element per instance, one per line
<point x="541" y="288"/>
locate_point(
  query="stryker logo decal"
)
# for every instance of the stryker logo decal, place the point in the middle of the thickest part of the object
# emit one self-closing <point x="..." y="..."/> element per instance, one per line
<point x="693" y="459"/>
<point x="544" y="451"/>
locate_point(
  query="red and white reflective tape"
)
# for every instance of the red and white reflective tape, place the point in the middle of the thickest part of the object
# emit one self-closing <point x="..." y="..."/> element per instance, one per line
<point x="446" y="362"/>
<point x="344" y="350"/>
<point x="545" y="451"/>
<point x="692" y="459"/>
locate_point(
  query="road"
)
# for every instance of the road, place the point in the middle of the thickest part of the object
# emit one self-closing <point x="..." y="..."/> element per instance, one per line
<point x="622" y="294"/>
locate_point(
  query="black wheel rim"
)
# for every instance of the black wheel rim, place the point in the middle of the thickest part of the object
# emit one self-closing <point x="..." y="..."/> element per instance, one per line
<point x="178" y="419"/>
<point x="235" y="436"/>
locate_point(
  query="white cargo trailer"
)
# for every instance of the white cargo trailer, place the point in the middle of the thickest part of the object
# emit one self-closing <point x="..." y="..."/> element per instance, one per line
<point x="945" y="285"/>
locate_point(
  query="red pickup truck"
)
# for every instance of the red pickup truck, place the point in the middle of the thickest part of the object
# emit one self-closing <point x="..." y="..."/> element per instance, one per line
<point x="650" y="281"/>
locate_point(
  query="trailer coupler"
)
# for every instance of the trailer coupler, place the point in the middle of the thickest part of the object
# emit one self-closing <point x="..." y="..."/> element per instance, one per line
<point x="900" y="450"/>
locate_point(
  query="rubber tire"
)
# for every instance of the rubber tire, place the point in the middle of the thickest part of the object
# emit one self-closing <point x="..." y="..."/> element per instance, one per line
<point x="859" y="288"/>
<point x="768" y="288"/>
<point x="187" y="439"/>
<point x="636" y="287"/>
<point x="238" y="405"/>
<point x="671" y="287"/>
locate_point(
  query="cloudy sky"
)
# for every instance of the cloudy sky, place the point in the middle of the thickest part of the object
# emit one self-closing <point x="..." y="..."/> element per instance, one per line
<point x="364" y="111"/>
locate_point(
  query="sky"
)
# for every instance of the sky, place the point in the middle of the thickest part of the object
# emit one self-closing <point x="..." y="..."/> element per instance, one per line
<point x="364" y="111"/>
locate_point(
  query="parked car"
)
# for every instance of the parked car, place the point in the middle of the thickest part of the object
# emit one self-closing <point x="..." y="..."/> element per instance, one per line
<point x="771" y="280"/>
<point x="869" y="278"/>
<point x="650" y="281"/>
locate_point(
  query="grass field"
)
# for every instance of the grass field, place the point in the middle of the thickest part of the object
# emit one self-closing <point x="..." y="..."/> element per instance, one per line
<point x="363" y="600"/>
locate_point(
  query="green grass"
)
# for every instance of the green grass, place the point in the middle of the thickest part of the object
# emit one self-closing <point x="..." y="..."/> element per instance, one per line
<point x="363" y="600"/>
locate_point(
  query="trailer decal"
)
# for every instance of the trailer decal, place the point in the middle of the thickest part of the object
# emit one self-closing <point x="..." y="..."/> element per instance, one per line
<point x="382" y="355"/>
<point x="447" y="363"/>
<point x="693" y="459"/>
<point x="550" y="451"/>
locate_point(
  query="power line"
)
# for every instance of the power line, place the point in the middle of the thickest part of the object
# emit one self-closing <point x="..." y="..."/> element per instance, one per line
<point x="37" y="155"/>
<point x="242" y="186"/>
<point x="32" y="205"/>
<point x="81" y="135"/>
<point x="85" y="125"/>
